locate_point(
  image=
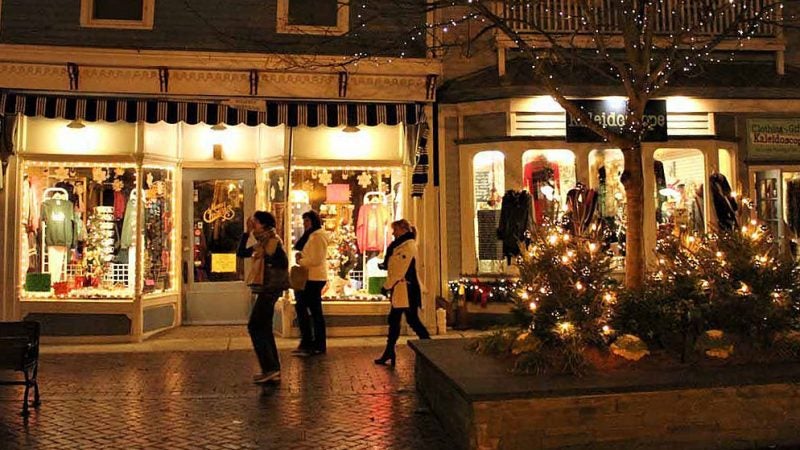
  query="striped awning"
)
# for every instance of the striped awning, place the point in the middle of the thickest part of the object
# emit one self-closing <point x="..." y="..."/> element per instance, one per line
<point x="273" y="113"/>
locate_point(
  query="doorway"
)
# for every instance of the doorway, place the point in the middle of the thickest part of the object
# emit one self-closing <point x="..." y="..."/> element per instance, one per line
<point x="216" y="205"/>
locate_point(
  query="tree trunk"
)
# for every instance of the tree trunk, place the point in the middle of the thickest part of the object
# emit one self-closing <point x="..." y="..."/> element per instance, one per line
<point x="633" y="181"/>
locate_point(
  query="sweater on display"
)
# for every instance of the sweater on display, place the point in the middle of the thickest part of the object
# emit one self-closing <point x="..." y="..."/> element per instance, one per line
<point x="59" y="219"/>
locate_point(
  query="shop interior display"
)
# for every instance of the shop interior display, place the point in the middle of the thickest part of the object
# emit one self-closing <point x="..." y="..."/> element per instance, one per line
<point x="548" y="175"/>
<point x="78" y="230"/>
<point x="218" y="223"/>
<point x="158" y="229"/>
<point x="488" y="178"/>
<point x="356" y="207"/>
<point x="607" y="167"/>
<point x="679" y="178"/>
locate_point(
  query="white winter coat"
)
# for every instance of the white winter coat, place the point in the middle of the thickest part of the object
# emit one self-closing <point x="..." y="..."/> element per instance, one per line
<point x="396" y="274"/>
<point x="315" y="256"/>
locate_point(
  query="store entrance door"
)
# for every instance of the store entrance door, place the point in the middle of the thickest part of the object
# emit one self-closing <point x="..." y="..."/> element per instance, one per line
<point x="216" y="205"/>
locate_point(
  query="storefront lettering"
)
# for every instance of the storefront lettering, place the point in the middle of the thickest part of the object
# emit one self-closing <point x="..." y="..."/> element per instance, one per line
<point x="612" y="115"/>
<point x="773" y="139"/>
<point x="218" y="211"/>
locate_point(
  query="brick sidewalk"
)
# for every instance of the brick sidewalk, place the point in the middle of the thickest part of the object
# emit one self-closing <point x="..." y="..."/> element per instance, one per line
<point x="176" y="400"/>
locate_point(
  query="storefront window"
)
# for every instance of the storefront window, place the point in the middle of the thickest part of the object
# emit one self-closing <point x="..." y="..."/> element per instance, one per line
<point x="488" y="180"/>
<point x="680" y="176"/>
<point x="276" y="193"/>
<point x="218" y="223"/>
<point x="356" y="206"/>
<point x="158" y="193"/>
<point x="548" y="175"/>
<point x="78" y="231"/>
<point x="605" y="170"/>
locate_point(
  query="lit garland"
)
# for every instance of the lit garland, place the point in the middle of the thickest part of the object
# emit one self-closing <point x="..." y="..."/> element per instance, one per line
<point x="477" y="291"/>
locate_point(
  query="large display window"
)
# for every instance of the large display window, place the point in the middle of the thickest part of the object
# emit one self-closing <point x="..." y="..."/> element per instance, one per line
<point x="488" y="181"/>
<point x="679" y="193"/>
<point x="79" y="230"/>
<point x="158" y="230"/>
<point x="605" y="171"/>
<point x="356" y="205"/>
<point x="548" y="175"/>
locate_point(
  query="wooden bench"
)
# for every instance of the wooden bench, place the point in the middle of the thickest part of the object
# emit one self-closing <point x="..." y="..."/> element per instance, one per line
<point x="19" y="352"/>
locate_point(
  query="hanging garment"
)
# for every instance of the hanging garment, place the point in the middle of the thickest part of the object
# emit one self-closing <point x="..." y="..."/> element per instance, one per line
<point x="516" y="219"/>
<point x="59" y="218"/>
<point x="119" y="205"/>
<point x="661" y="183"/>
<point x="57" y="261"/>
<point x="793" y="205"/>
<point x="127" y="236"/>
<point x="724" y="204"/>
<point x="536" y="174"/>
<point x="371" y="224"/>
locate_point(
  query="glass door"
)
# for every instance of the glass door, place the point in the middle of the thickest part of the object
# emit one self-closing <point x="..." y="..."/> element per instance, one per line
<point x="216" y="205"/>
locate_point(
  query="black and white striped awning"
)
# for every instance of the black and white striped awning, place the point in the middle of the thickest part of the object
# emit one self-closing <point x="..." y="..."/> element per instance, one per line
<point x="273" y="113"/>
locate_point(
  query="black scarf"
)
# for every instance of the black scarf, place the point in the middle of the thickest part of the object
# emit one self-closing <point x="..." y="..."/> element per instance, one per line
<point x="304" y="238"/>
<point x="395" y="243"/>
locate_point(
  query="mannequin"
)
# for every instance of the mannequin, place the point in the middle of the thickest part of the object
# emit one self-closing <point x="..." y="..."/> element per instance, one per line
<point x="58" y="222"/>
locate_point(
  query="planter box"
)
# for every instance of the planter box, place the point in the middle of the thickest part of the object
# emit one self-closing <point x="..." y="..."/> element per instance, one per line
<point x="483" y="406"/>
<point x="493" y="314"/>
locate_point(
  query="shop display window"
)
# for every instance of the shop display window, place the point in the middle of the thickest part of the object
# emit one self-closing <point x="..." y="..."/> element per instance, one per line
<point x="78" y="231"/>
<point x="217" y="225"/>
<point x="548" y="175"/>
<point x="356" y="206"/>
<point x="605" y="169"/>
<point x="679" y="193"/>
<point x="158" y="194"/>
<point x="488" y="181"/>
<point x="277" y="196"/>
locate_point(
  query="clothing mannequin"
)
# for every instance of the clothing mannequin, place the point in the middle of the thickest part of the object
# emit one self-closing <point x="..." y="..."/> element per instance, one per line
<point x="58" y="224"/>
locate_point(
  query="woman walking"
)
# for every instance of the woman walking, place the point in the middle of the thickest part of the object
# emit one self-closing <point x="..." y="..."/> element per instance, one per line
<point x="403" y="283"/>
<point x="312" y="254"/>
<point x="267" y="279"/>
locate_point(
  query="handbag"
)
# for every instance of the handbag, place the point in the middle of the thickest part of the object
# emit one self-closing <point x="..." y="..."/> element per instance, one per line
<point x="298" y="277"/>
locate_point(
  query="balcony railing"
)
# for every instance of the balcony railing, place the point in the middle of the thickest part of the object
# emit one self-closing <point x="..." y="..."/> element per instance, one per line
<point x="704" y="17"/>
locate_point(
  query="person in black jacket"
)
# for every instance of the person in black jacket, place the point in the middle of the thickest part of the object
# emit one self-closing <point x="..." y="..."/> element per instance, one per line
<point x="267" y="252"/>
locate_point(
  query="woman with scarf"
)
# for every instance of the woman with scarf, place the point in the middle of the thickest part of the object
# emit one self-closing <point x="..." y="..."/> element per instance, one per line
<point x="403" y="287"/>
<point x="269" y="260"/>
<point x="312" y="254"/>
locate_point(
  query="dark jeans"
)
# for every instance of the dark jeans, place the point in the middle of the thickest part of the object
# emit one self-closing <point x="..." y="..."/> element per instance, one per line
<point x="260" y="329"/>
<point x="309" y="311"/>
<point x="412" y="317"/>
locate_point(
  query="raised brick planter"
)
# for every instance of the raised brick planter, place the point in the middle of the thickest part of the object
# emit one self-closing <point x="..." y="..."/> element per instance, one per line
<point x="482" y="406"/>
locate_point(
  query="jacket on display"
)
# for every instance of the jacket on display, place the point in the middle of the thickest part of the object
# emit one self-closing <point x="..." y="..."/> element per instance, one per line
<point x="402" y="278"/>
<point x="793" y="205"/>
<point x="516" y="218"/>
<point x="537" y="174"/>
<point x="371" y="227"/>
<point x="127" y="235"/>
<point x="59" y="218"/>
<point x="724" y="204"/>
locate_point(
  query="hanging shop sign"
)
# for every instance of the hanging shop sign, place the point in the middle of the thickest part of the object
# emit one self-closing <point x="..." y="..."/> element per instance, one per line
<point x="610" y="114"/>
<point x="773" y="139"/>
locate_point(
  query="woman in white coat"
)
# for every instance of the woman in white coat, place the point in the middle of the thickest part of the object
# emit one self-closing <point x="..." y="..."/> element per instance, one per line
<point x="313" y="255"/>
<point x="403" y="286"/>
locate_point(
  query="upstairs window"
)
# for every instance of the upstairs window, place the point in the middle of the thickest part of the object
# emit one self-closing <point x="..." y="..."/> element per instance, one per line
<point x="313" y="16"/>
<point x="131" y="14"/>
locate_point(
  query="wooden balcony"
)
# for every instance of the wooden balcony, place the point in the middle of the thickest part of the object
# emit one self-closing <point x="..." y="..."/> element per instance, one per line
<point x="564" y="20"/>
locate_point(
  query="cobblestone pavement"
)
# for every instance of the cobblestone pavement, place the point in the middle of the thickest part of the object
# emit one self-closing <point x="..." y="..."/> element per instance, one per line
<point x="177" y="400"/>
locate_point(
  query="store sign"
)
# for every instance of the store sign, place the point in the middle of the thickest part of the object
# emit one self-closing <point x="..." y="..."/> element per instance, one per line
<point x="223" y="262"/>
<point x="610" y="114"/>
<point x="773" y="139"/>
<point x="219" y="211"/>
